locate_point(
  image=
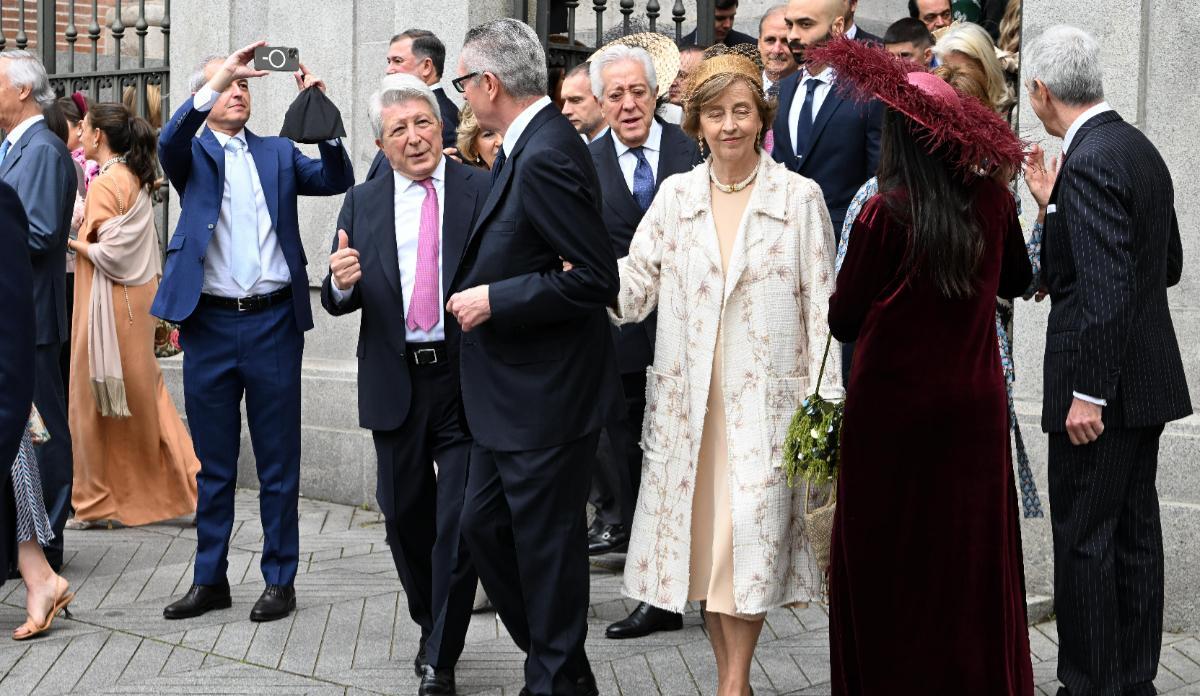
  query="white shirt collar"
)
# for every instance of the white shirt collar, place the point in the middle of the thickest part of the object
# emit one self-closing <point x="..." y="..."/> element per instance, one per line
<point x="438" y="176"/>
<point x="653" y="141"/>
<point x="825" y="75"/>
<point x="520" y="123"/>
<point x="1083" y="118"/>
<point x="852" y="31"/>
<point x="14" y="136"/>
<point x="223" y="138"/>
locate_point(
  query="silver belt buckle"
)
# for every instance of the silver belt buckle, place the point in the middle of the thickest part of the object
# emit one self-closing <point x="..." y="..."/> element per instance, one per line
<point x="242" y="308"/>
<point x="418" y="359"/>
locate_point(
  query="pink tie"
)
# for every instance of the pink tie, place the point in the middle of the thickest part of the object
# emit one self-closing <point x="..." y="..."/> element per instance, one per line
<point x="425" y="307"/>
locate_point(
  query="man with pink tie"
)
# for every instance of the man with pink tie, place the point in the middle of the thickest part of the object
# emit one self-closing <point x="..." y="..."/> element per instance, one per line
<point x="397" y="248"/>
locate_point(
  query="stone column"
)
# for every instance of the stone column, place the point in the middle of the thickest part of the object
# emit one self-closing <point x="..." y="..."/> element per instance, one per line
<point x="1148" y="60"/>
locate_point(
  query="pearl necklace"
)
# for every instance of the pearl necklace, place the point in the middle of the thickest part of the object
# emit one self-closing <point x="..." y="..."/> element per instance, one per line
<point x="731" y="188"/>
<point x="115" y="160"/>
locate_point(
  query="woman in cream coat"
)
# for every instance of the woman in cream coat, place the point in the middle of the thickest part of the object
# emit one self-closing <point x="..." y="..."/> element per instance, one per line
<point x="737" y="257"/>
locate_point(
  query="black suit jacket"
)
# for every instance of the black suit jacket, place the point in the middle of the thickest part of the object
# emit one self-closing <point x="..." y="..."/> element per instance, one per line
<point x="867" y="37"/>
<point x="541" y="371"/>
<point x="677" y="153"/>
<point x="379" y="165"/>
<point x="1111" y="249"/>
<point x="16" y="357"/>
<point x="384" y="384"/>
<point x="843" y="150"/>
<point x="733" y="38"/>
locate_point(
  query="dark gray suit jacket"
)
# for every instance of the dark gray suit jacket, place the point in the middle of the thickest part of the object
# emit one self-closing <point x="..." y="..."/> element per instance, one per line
<point x="39" y="167"/>
<point x="1111" y="249"/>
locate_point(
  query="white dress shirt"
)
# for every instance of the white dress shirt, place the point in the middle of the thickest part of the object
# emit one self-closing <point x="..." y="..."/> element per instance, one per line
<point x="14" y="136"/>
<point x="651" y="149"/>
<point x="407" y="201"/>
<point x="1067" y="139"/>
<point x="767" y="82"/>
<point x="218" y="260"/>
<point x="826" y="77"/>
<point x="520" y="123"/>
<point x="851" y="32"/>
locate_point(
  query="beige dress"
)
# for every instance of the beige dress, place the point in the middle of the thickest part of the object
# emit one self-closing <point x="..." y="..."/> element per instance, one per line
<point x="711" y="578"/>
<point x="140" y="469"/>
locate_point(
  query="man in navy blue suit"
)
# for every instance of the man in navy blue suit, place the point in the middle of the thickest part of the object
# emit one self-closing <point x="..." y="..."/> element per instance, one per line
<point x="234" y="280"/>
<point x="399" y="241"/>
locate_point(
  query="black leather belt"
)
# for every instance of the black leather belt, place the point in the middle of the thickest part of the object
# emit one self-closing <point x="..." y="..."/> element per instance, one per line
<point x="427" y="353"/>
<point x="253" y="303"/>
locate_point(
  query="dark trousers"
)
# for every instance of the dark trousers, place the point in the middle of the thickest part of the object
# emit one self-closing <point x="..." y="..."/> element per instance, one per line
<point x="618" y="471"/>
<point x="64" y="357"/>
<point x="422" y="513"/>
<point x="525" y="523"/>
<point x="54" y="457"/>
<point x="228" y="354"/>
<point x="1108" y="561"/>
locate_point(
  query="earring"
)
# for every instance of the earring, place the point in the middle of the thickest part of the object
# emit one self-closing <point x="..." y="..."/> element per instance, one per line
<point x="700" y="144"/>
<point x="758" y="141"/>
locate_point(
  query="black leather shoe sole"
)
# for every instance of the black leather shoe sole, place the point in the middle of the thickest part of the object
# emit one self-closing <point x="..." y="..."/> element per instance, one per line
<point x="621" y="630"/>
<point x="599" y="548"/>
<point x="262" y="615"/>
<point x="199" y="609"/>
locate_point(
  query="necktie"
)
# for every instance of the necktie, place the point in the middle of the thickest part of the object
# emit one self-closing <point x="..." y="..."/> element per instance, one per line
<point x="643" y="180"/>
<point x="497" y="165"/>
<point x="804" y="127"/>
<point x="244" y="259"/>
<point x="4" y="148"/>
<point x="425" y="306"/>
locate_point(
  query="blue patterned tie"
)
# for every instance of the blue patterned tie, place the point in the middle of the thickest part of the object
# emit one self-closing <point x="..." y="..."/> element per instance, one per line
<point x="804" y="127"/>
<point x="4" y="150"/>
<point x="244" y="259"/>
<point x="643" y="180"/>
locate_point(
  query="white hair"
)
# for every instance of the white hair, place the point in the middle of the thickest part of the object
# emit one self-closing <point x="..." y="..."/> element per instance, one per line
<point x="973" y="41"/>
<point x="399" y="88"/>
<point x="197" y="79"/>
<point x="510" y="50"/>
<point x="25" y="70"/>
<point x="618" y="54"/>
<point x="1067" y="60"/>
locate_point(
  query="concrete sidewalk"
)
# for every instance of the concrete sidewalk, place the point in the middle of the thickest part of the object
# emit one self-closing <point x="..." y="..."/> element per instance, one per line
<point x="352" y="634"/>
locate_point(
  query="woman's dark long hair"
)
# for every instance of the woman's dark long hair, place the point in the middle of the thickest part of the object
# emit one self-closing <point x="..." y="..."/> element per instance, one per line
<point x="128" y="135"/>
<point x="924" y="191"/>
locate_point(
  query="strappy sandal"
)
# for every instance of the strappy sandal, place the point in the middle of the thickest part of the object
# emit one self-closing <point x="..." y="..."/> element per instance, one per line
<point x="60" y="606"/>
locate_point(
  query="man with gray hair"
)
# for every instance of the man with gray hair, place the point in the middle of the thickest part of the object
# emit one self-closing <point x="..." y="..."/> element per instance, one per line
<point x="398" y="243"/>
<point x="1113" y="373"/>
<point x="539" y="374"/>
<point x="36" y="163"/>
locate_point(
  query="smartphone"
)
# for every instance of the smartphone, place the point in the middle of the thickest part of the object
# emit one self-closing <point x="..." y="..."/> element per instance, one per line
<point x="278" y="58"/>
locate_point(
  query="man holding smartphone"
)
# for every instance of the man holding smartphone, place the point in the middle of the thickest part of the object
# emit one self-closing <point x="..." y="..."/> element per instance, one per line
<point x="234" y="280"/>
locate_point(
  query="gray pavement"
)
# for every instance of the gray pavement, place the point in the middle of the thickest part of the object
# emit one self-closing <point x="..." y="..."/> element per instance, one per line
<point x="352" y="634"/>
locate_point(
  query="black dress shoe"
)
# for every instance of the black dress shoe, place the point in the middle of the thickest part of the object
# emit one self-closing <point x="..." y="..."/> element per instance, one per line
<point x="586" y="686"/>
<point x="200" y="599"/>
<point x="276" y="602"/>
<point x="643" y="621"/>
<point x="436" y="682"/>
<point x="612" y="539"/>
<point x="420" y="660"/>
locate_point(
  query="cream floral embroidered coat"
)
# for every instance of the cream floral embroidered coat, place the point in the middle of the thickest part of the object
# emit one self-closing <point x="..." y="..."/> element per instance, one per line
<point x="772" y="312"/>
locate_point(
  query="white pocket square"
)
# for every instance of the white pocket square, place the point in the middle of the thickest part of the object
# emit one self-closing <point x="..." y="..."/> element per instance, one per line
<point x="1051" y="209"/>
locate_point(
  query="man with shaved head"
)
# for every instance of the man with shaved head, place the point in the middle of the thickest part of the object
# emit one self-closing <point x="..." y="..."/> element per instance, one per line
<point x="818" y="133"/>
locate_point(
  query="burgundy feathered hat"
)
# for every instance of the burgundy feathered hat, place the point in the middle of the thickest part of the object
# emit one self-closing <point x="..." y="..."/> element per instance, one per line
<point x="977" y="137"/>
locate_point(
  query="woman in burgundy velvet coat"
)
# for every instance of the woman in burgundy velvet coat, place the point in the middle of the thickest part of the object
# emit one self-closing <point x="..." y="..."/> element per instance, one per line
<point x="926" y="582"/>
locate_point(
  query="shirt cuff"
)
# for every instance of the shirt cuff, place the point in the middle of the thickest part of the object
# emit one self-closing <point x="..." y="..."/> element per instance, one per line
<point x="336" y="142"/>
<point x="339" y="295"/>
<point x="204" y="99"/>
<point x="1090" y="399"/>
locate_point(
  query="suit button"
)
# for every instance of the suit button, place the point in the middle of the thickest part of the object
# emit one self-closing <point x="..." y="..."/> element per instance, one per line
<point x="211" y="226"/>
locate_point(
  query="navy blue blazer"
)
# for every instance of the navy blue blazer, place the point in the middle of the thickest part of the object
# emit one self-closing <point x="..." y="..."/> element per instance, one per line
<point x="379" y="165"/>
<point x="1110" y="251"/>
<point x="384" y="383"/>
<point x="843" y="150"/>
<point x="542" y="370"/>
<point x="622" y="215"/>
<point x="195" y="165"/>
<point x="39" y="167"/>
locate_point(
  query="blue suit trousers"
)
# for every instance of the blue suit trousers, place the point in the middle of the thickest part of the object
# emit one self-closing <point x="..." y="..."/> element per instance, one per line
<point x="228" y="354"/>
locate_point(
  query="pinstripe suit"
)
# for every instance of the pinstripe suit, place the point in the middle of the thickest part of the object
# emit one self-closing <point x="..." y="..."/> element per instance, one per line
<point x="1111" y="250"/>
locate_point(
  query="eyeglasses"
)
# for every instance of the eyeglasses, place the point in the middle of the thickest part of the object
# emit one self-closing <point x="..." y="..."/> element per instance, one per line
<point x="460" y="82"/>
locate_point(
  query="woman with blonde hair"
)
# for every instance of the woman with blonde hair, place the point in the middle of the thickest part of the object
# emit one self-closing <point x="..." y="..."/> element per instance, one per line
<point x="970" y="43"/>
<point x="134" y="461"/>
<point x="736" y="256"/>
<point x="476" y="146"/>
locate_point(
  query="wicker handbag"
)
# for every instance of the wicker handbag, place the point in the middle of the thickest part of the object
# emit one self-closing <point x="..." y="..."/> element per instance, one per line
<point x="811" y="453"/>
